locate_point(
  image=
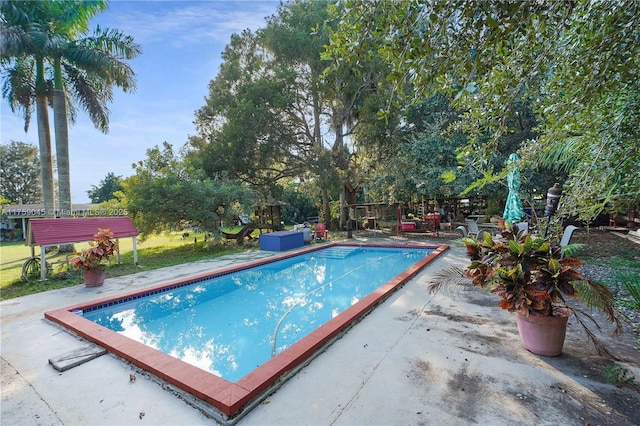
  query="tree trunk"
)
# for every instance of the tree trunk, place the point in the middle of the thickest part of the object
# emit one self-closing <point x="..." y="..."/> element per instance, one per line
<point x="62" y="152"/>
<point x="44" y="141"/>
<point x="342" y="219"/>
<point x="347" y="197"/>
<point x="62" y="149"/>
<point x="62" y="141"/>
<point x="326" y="209"/>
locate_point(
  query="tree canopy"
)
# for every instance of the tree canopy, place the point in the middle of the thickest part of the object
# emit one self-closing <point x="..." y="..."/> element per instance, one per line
<point x="106" y="189"/>
<point x="576" y="63"/>
<point x="167" y="193"/>
<point x="20" y="173"/>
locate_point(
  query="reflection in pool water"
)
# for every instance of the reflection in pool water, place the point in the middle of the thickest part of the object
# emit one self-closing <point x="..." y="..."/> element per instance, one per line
<point x="233" y="323"/>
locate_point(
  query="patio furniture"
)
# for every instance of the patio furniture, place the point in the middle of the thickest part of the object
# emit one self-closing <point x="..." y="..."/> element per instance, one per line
<point x="462" y="230"/>
<point x="523" y="226"/>
<point x="567" y="234"/>
<point x="321" y="232"/>
<point x="281" y="240"/>
<point x="472" y="227"/>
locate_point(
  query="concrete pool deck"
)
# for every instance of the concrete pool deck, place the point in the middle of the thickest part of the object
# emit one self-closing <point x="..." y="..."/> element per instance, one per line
<point x="416" y="359"/>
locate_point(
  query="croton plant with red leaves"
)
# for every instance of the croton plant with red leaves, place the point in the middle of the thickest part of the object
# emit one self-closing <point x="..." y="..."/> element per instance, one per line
<point x="100" y="251"/>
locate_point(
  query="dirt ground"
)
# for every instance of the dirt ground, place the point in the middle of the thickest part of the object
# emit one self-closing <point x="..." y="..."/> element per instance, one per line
<point x="602" y="252"/>
<point x="604" y="246"/>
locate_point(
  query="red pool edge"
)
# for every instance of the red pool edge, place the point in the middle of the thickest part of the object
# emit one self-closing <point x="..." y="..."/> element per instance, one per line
<point x="230" y="398"/>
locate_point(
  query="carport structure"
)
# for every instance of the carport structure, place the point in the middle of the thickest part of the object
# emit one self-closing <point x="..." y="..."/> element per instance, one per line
<point x="52" y="232"/>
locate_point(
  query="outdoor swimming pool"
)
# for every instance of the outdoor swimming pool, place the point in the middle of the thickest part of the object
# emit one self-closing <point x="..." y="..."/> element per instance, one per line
<point x="231" y="324"/>
<point x="250" y="326"/>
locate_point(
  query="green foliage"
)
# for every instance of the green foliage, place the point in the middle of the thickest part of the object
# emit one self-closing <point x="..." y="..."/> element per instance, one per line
<point x="530" y="276"/>
<point x="575" y="62"/>
<point x="631" y="283"/>
<point x="166" y="193"/>
<point x="20" y="173"/>
<point x="106" y="189"/>
<point x="273" y="114"/>
<point x="299" y="205"/>
<point x="424" y="150"/>
<point x="101" y="249"/>
<point x="85" y="65"/>
<point x="70" y="65"/>
<point x="248" y="127"/>
<point x="618" y="375"/>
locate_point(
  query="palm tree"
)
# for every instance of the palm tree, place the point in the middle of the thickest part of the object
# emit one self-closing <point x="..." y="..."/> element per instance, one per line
<point x="91" y="66"/>
<point x="24" y="81"/>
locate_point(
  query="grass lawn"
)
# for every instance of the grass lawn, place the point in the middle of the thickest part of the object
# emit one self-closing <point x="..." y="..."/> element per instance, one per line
<point x="156" y="252"/>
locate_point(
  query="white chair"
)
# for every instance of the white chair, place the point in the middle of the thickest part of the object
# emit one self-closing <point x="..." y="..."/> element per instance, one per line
<point x="523" y="226"/>
<point x="566" y="237"/>
<point x="567" y="234"/>
<point x="462" y="230"/>
<point x="472" y="227"/>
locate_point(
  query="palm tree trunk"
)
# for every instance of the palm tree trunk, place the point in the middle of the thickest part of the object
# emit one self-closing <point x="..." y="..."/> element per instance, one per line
<point x="62" y="141"/>
<point x="44" y="141"/>
<point x="62" y="148"/>
<point x="62" y="152"/>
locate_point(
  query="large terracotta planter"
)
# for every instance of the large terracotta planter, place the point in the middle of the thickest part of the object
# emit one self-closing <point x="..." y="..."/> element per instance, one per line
<point x="542" y="335"/>
<point x="93" y="277"/>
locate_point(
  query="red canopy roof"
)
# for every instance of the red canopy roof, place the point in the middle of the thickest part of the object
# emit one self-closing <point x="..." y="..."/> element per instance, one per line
<point x="45" y="232"/>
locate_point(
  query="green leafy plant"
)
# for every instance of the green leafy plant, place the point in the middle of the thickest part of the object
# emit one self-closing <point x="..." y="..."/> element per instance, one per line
<point x="631" y="284"/>
<point x="618" y="375"/>
<point x="530" y="275"/>
<point x="100" y="251"/>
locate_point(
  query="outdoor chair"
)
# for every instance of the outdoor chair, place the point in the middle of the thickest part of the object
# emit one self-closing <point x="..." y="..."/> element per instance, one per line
<point x="462" y="230"/>
<point x="567" y="234"/>
<point x="321" y="232"/>
<point x="523" y="226"/>
<point x="472" y="227"/>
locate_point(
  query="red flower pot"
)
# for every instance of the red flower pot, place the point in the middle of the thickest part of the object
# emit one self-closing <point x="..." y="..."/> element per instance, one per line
<point x="93" y="277"/>
<point x="542" y="335"/>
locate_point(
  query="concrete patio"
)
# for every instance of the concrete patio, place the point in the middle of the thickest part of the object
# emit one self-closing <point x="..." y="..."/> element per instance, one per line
<point x="416" y="359"/>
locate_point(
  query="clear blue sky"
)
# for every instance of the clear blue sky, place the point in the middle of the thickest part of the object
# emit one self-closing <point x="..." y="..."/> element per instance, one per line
<point x="182" y="42"/>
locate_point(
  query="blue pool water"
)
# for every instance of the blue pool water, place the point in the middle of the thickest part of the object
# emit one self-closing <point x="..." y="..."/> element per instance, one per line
<point x="229" y="325"/>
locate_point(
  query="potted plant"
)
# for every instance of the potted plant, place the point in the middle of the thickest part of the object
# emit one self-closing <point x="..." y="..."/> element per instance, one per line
<point x="92" y="261"/>
<point x="532" y="276"/>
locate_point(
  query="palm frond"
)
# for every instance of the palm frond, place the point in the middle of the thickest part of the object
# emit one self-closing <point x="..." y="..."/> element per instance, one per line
<point x="560" y="156"/>
<point x="91" y="95"/>
<point x="631" y="283"/>
<point x="571" y="250"/>
<point x="18" y="88"/>
<point x="597" y="296"/>
<point x="445" y="279"/>
<point x="600" y="347"/>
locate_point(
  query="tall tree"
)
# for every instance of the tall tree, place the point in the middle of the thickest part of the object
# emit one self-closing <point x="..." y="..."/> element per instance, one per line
<point x="92" y="65"/>
<point x="24" y="83"/>
<point x="576" y="62"/>
<point x="249" y="125"/>
<point x="20" y="173"/>
<point x="273" y="113"/>
<point x="88" y="64"/>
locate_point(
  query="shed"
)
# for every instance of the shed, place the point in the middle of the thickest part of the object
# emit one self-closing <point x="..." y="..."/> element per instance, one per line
<point x="51" y="232"/>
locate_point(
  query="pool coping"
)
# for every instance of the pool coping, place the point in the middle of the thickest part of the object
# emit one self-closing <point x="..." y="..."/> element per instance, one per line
<point x="227" y="397"/>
